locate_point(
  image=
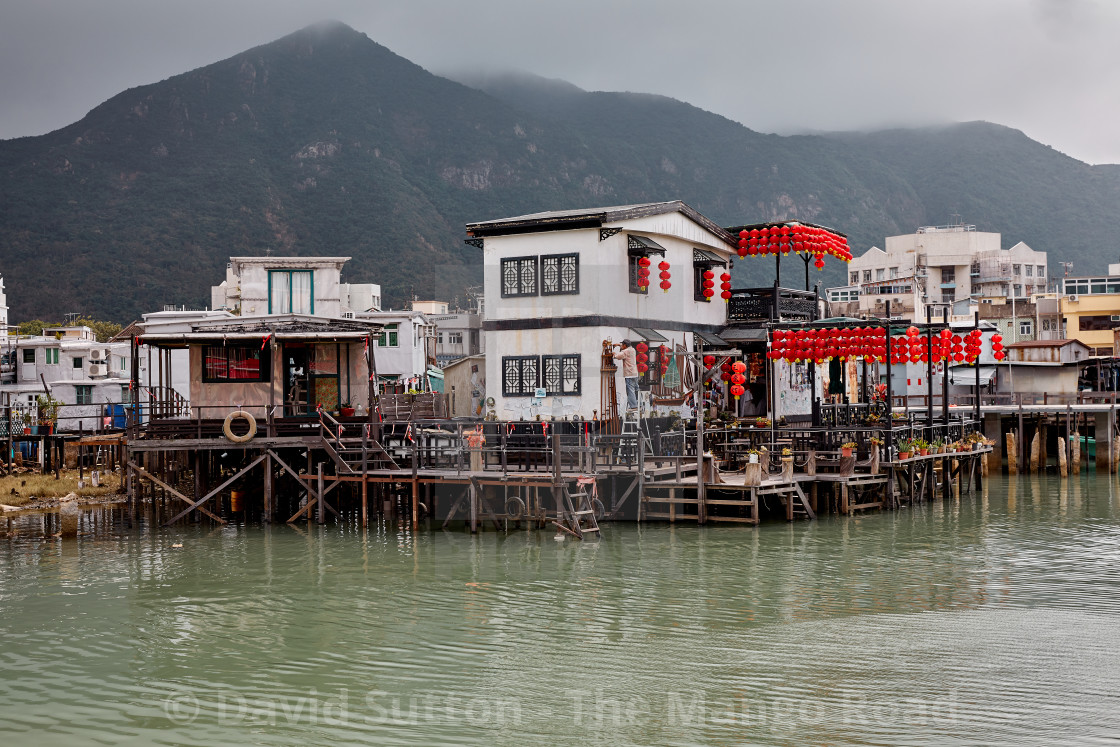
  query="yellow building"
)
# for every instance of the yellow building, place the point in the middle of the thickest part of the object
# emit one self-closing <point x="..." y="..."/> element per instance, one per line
<point x="1090" y="309"/>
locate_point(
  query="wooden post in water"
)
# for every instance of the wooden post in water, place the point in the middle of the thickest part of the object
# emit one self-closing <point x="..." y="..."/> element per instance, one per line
<point x="319" y="499"/>
<point x="1075" y="450"/>
<point x="1063" y="468"/>
<point x="267" y="509"/>
<point x="1034" y="453"/>
<point x="1012" y="454"/>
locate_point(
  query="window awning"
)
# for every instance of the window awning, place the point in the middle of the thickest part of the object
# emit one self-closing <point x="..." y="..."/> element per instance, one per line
<point x="643" y="244"/>
<point x="648" y="334"/>
<point x="704" y="257"/>
<point x="743" y="334"/>
<point x="712" y="341"/>
<point x="966" y="375"/>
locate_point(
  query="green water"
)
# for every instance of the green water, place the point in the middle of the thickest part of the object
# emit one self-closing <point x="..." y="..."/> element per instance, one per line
<point x="993" y="619"/>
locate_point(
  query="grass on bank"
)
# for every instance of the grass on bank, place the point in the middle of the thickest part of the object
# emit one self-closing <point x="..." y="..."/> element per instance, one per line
<point x="20" y="489"/>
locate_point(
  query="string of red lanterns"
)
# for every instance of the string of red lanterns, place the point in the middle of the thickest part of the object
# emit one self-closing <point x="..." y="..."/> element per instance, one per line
<point x="784" y="238"/>
<point x="872" y="343"/>
<point x="665" y="275"/>
<point x="643" y="272"/>
<point x="725" y="286"/>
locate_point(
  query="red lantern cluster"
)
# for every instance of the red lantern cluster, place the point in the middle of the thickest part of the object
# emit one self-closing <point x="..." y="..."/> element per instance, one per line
<point x="663" y="359"/>
<point x="643" y="272"/>
<point x="725" y="286"/>
<point x="997" y="347"/>
<point x="708" y="283"/>
<point x="972" y="345"/>
<point x="664" y="267"/>
<point x="738" y="378"/>
<point x="783" y="238"/>
<point x="822" y="344"/>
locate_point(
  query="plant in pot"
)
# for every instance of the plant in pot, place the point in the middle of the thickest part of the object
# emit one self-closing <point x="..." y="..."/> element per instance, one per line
<point x="846" y="448"/>
<point x="905" y="446"/>
<point x="762" y="422"/>
<point x="346" y="409"/>
<point x="48" y="411"/>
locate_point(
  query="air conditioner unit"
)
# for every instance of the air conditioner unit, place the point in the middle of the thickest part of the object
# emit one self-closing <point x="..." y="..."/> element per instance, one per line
<point x="1073" y="298"/>
<point x="98" y="369"/>
<point x="97" y="355"/>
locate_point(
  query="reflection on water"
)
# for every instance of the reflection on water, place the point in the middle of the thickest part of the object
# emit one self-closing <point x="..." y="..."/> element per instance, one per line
<point x="989" y="618"/>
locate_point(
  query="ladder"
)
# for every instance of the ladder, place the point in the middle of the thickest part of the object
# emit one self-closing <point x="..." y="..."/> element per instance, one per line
<point x="579" y="514"/>
<point x="631" y="432"/>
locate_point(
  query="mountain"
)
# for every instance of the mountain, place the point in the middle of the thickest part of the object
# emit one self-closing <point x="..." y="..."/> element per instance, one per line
<point x="326" y="143"/>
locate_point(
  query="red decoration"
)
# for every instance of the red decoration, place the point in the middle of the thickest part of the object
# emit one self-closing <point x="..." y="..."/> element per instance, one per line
<point x="709" y="361"/>
<point x="737" y="391"/>
<point x="666" y="285"/>
<point x="641" y="347"/>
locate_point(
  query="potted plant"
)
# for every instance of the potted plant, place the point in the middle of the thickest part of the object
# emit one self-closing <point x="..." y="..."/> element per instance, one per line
<point x="762" y="422"/>
<point x="48" y="411"/>
<point x="846" y="448"/>
<point x="921" y="446"/>
<point x="937" y="445"/>
<point x="905" y="445"/>
<point x="346" y="409"/>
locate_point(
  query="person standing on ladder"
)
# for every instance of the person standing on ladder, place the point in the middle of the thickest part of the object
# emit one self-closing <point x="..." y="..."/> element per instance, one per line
<point x="629" y="360"/>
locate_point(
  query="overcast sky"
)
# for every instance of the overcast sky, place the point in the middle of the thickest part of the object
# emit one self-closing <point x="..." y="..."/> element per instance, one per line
<point x="1048" y="67"/>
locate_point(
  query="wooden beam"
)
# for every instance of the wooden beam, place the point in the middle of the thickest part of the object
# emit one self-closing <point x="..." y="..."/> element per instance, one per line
<point x="215" y="491"/>
<point x="144" y="473"/>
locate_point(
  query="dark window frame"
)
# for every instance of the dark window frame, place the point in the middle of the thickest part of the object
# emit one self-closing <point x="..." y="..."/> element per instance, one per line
<point x="29" y="353"/>
<point x="521" y="262"/>
<point x="263" y="369"/>
<point x="632" y="273"/>
<point x="83" y="394"/>
<point x="560" y="362"/>
<point x="562" y="288"/>
<point x="522" y="387"/>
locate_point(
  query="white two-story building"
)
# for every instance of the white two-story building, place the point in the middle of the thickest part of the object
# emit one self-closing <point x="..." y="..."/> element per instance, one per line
<point x="559" y="284"/>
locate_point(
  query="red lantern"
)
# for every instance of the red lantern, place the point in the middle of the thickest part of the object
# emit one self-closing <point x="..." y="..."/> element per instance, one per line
<point x="664" y="275"/>
<point x="737" y="391"/>
<point x="642" y="357"/>
<point x="709" y="361"/>
<point x="641" y="347"/>
<point x="738" y="378"/>
<point x="643" y="367"/>
<point x="997" y="338"/>
<point x="643" y="262"/>
<point x="998" y="355"/>
<point x="912" y="332"/>
<point x="739" y="367"/>
<point x="726" y="296"/>
<point x="666" y="285"/>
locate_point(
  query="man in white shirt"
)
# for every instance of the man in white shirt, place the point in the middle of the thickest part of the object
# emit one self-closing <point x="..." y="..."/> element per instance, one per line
<point x="629" y="360"/>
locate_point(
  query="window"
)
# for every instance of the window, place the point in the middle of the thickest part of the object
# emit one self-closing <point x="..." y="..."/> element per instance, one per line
<point x="291" y="292"/>
<point x="948" y="274"/>
<point x="1025" y="328"/>
<point x="854" y="277"/>
<point x="632" y="273"/>
<point x="948" y="295"/>
<point x="519" y="375"/>
<point x="559" y="274"/>
<point x="1016" y="269"/>
<point x="77" y="362"/>
<point x="519" y="277"/>
<point x="123" y="362"/>
<point x="126" y="396"/>
<point x="390" y="336"/>
<point x="1042" y="271"/>
<point x="881" y="274"/>
<point x="439" y="338"/>
<point x="1095" y="323"/>
<point x="454" y="338"/>
<point x="698" y="271"/>
<point x="1029" y="270"/>
<point x="83" y="394"/>
<point x="867" y="276"/>
<point x="894" y="272"/>
<point x="1045" y="325"/>
<point x="52" y="355"/>
<point x="561" y="374"/>
<point x="29" y="355"/>
<point x="233" y="363"/>
<point x="1017" y="290"/>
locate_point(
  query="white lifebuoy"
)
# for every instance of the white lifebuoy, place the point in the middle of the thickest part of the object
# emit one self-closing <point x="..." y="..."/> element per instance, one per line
<point x="240" y="414"/>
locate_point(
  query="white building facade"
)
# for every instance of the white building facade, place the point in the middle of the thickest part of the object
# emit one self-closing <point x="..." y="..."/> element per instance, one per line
<point x="259" y="286"/>
<point x="560" y="284"/>
<point x="953" y="267"/>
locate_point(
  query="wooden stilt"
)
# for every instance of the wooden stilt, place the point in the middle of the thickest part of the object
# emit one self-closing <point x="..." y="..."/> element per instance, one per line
<point x="1012" y="454"/>
<point x="1063" y="469"/>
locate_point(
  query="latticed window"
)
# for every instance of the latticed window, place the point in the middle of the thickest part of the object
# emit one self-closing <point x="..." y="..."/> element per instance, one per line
<point x="519" y="276"/>
<point x="561" y="374"/>
<point x="519" y="375"/>
<point x="559" y="274"/>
